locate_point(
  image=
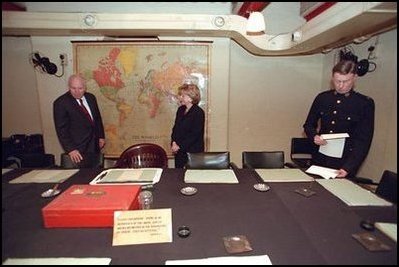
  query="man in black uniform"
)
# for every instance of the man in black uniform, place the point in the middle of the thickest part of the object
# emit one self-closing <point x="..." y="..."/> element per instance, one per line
<point x="342" y="110"/>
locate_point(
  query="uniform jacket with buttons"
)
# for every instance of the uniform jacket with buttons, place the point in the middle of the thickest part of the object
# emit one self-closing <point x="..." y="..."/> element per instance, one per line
<point x="351" y="113"/>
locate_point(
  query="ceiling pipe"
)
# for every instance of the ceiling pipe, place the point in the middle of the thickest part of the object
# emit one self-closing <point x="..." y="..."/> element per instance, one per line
<point x="248" y="7"/>
<point x="8" y="6"/>
<point x="318" y="10"/>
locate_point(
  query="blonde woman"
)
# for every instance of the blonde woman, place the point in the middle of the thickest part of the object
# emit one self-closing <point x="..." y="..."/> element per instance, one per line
<point x="188" y="130"/>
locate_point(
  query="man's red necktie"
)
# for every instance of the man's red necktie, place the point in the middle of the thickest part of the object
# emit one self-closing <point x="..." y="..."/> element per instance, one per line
<point x="85" y="111"/>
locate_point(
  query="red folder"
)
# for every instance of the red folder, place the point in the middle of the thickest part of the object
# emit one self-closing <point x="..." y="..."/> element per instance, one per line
<point x="90" y="205"/>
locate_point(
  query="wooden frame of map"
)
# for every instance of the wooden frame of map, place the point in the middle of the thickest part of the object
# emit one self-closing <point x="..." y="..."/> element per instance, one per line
<point x="136" y="84"/>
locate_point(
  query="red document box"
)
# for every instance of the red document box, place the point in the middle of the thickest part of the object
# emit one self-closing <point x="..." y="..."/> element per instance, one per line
<point x="90" y="205"/>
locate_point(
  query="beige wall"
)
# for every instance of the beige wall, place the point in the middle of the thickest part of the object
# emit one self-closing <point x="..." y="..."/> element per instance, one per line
<point x="269" y="100"/>
<point x="256" y="103"/>
<point x="20" y="110"/>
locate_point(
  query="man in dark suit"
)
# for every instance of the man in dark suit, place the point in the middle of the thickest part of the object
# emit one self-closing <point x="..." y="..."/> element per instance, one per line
<point x="78" y="121"/>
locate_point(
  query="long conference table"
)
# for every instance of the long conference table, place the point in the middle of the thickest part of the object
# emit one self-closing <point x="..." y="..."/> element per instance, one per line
<point x="289" y="228"/>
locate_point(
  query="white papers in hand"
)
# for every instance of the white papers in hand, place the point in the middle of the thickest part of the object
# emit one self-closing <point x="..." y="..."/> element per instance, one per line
<point x="335" y="144"/>
<point x="324" y="172"/>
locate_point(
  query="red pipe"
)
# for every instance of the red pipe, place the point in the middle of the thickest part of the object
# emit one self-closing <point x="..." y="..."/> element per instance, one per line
<point x="319" y="10"/>
<point x="7" y="6"/>
<point x="248" y="7"/>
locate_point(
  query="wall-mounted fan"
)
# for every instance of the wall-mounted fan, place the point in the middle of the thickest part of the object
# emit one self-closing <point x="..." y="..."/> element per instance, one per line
<point x="44" y="65"/>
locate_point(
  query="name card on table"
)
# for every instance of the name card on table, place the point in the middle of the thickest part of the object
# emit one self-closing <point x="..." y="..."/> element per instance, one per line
<point x="142" y="227"/>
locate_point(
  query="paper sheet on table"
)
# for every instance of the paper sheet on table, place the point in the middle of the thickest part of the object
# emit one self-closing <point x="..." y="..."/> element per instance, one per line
<point x="283" y="175"/>
<point x="210" y="176"/>
<point x="390" y="229"/>
<point x="324" y="172"/>
<point x="44" y="176"/>
<point x="128" y="176"/>
<point x="351" y="193"/>
<point x="335" y="144"/>
<point x="3" y="171"/>
<point x="57" y="261"/>
<point x="233" y="260"/>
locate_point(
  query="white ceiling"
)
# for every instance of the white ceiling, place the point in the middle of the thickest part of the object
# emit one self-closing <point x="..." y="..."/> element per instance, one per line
<point x="221" y="8"/>
<point x="287" y="32"/>
<point x="273" y="12"/>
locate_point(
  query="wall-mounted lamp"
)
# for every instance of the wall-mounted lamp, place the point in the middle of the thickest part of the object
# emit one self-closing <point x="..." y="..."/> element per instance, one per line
<point x="256" y="24"/>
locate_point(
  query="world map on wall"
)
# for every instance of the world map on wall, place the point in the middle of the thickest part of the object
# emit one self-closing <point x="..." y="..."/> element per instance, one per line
<point x="136" y="87"/>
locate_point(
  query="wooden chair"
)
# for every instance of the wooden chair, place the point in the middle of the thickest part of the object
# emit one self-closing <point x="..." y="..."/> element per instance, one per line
<point x="209" y="160"/>
<point x="263" y="159"/>
<point x="145" y="155"/>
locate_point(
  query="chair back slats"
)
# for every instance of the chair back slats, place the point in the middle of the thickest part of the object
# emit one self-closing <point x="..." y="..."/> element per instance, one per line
<point x="145" y="155"/>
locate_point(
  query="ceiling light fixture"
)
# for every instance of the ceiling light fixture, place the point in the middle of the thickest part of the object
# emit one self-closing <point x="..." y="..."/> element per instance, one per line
<point x="256" y="24"/>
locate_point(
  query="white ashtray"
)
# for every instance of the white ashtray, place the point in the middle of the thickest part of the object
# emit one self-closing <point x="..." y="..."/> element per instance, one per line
<point x="188" y="191"/>
<point x="261" y="187"/>
<point x="51" y="193"/>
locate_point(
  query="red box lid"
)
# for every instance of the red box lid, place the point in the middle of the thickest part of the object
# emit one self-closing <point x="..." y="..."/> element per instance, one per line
<point x="90" y="205"/>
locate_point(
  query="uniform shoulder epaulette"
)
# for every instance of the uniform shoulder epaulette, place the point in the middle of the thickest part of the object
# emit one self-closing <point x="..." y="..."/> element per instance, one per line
<point x="363" y="97"/>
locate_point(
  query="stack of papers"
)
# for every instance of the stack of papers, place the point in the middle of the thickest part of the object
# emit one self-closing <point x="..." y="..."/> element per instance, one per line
<point x="3" y="171"/>
<point x="44" y="176"/>
<point x="390" y="229"/>
<point x="352" y="194"/>
<point x="234" y="260"/>
<point x="283" y="175"/>
<point x="57" y="261"/>
<point x="326" y="173"/>
<point x="226" y="176"/>
<point x="128" y="176"/>
<point x="335" y="144"/>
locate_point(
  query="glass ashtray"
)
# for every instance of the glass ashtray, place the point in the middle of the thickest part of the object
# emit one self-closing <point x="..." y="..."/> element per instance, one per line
<point x="51" y="193"/>
<point x="261" y="187"/>
<point x="188" y="191"/>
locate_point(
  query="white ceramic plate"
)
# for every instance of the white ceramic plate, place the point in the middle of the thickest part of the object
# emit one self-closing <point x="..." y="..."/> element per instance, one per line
<point x="261" y="187"/>
<point x="188" y="191"/>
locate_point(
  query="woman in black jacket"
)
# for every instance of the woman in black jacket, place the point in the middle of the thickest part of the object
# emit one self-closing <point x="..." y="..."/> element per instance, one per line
<point x="188" y="131"/>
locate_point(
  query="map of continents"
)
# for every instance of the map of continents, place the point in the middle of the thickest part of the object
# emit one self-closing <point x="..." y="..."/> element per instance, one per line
<point x="136" y="87"/>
